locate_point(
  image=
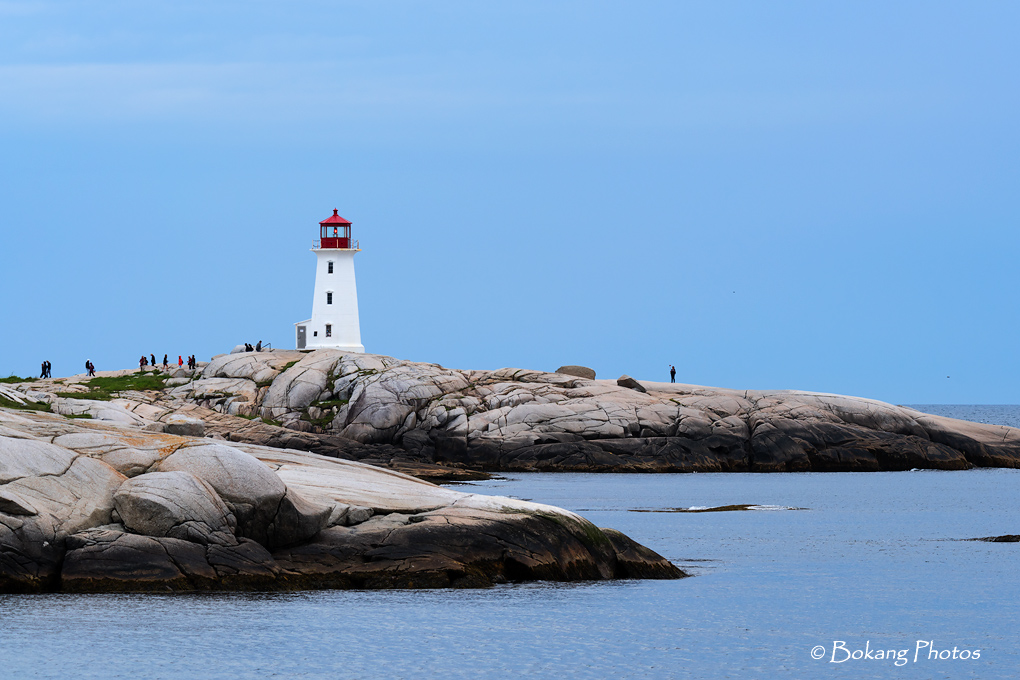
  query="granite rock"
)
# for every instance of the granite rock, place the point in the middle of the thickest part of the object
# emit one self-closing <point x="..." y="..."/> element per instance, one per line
<point x="174" y="505"/>
<point x="630" y="383"/>
<point x="516" y="419"/>
<point x="446" y="423"/>
<point x="183" y="425"/>
<point x="196" y="515"/>
<point x="577" y="371"/>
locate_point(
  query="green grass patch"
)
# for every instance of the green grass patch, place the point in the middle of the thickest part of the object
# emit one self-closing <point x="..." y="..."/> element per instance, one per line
<point x="106" y="388"/>
<point x="95" y="395"/>
<point x="322" y="422"/>
<point x="27" y="406"/>
<point x="267" y="421"/>
<point x="288" y="365"/>
<point x="330" y="403"/>
<point x="15" y="379"/>
<point x="80" y="415"/>
<point x="327" y="417"/>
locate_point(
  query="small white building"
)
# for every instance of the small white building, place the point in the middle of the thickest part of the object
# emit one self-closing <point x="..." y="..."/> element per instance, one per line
<point x="334" y="323"/>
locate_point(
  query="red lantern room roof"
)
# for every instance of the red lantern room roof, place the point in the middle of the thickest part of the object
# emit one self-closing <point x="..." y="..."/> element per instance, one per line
<point x="335" y="219"/>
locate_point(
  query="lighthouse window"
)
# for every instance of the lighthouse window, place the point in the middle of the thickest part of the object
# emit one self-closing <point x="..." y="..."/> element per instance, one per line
<point x="329" y="266"/>
<point x="329" y="331"/>
<point x="329" y="298"/>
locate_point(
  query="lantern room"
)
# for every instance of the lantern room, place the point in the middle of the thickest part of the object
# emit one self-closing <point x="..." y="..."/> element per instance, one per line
<point x="334" y="232"/>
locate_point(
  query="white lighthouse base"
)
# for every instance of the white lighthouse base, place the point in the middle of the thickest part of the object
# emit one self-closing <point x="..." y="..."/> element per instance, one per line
<point x="303" y="339"/>
<point x="334" y="323"/>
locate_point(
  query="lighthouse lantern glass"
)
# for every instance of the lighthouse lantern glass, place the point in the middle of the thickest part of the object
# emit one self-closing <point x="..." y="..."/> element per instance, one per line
<point x="334" y="236"/>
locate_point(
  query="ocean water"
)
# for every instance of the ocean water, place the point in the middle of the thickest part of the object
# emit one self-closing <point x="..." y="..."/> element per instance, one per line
<point x="846" y="563"/>
<point x="995" y="414"/>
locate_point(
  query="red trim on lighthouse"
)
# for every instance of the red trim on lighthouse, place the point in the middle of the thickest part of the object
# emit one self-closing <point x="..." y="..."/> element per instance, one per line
<point x="335" y="232"/>
<point x="335" y="219"/>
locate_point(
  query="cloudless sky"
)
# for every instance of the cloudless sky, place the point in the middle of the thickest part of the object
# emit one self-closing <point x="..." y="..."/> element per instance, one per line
<point x="788" y="195"/>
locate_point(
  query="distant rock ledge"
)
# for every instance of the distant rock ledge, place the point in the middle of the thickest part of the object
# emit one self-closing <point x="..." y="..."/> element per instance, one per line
<point x="447" y="424"/>
<point x="524" y="420"/>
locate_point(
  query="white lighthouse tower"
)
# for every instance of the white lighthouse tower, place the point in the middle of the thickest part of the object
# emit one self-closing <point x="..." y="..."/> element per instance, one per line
<point x="334" y="323"/>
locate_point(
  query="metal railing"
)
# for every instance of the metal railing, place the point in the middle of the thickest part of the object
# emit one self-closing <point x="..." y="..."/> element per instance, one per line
<point x="316" y="245"/>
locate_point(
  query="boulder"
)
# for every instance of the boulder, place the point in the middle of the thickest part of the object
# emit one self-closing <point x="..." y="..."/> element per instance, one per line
<point x="577" y="371"/>
<point x="175" y="505"/>
<point x="258" y="498"/>
<point x="184" y="426"/>
<point x="630" y="383"/>
<point x="258" y="367"/>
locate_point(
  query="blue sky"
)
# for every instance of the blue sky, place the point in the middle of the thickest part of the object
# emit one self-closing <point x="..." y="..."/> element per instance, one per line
<point x="796" y="195"/>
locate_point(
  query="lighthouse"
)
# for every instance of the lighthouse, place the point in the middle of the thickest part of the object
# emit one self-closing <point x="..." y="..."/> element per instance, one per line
<point x="334" y="323"/>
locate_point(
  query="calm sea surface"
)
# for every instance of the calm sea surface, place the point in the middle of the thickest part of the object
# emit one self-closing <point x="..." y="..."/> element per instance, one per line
<point x="870" y="559"/>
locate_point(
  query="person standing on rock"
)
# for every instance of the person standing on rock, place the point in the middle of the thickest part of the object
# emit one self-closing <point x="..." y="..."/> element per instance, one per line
<point x="141" y="364"/>
<point x="152" y="357"/>
<point x="180" y="361"/>
<point x="672" y="373"/>
<point x="43" y="373"/>
<point x="90" y="368"/>
<point x="165" y="364"/>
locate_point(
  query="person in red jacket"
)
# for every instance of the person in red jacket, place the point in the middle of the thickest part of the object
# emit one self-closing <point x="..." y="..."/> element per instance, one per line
<point x="180" y="361"/>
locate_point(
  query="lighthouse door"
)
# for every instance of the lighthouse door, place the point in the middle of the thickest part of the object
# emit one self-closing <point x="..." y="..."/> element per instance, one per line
<point x="300" y="337"/>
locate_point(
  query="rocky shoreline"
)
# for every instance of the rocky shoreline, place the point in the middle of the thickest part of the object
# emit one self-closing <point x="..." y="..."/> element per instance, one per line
<point x="521" y="420"/>
<point x="88" y="506"/>
<point x="286" y="470"/>
<point x="447" y="424"/>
